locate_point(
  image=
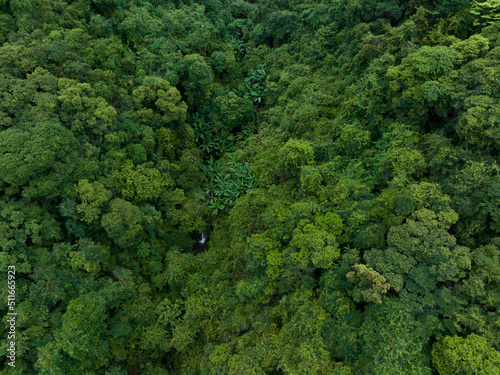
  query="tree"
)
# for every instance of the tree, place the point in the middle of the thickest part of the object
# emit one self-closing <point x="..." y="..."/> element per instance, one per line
<point x="479" y="124"/>
<point x="158" y="103"/>
<point x="81" y="110"/>
<point x="420" y="255"/>
<point x="312" y="244"/>
<point x="90" y="256"/>
<point x="123" y="222"/>
<point x="393" y="341"/>
<point x="94" y="198"/>
<point x="29" y="155"/>
<point x="472" y="355"/>
<point x="142" y="182"/>
<point x="81" y="335"/>
<point x="198" y="78"/>
<point x="485" y="12"/>
<point x="422" y="82"/>
<point x="370" y="284"/>
<point x="230" y="111"/>
<point x="294" y="154"/>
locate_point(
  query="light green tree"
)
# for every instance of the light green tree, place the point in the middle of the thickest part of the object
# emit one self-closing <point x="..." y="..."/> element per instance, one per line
<point x="453" y="355"/>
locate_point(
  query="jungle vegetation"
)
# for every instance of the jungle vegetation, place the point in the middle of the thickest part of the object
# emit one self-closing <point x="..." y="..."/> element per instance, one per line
<point x="342" y="156"/>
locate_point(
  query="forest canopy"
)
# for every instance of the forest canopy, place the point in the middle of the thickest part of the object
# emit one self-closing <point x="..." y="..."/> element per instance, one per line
<point x="341" y="157"/>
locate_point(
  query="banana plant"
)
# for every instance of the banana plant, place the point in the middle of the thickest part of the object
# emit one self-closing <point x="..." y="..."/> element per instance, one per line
<point x="246" y="131"/>
<point x="254" y="86"/>
<point x="257" y="75"/>
<point x="227" y="182"/>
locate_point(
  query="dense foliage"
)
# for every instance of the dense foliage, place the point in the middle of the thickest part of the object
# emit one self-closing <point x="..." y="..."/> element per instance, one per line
<point x="342" y="156"/>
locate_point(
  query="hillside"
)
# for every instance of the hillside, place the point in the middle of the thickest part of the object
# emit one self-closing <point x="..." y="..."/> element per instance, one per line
<point x="340" y="156"/>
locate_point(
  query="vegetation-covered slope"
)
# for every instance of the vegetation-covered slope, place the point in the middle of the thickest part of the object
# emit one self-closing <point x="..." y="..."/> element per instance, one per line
<point x="342" y="156"/>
